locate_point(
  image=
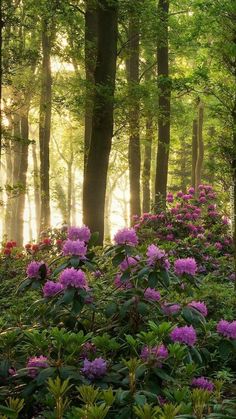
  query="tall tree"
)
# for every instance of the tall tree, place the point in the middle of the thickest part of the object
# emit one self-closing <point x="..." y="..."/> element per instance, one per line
<point x="45" y="110"/>
<point x="164" y="86"/>
<point x="200" y="146"/>
<point x="194" y="152"/>
<point x="147" y="165"/>
<point x="94" y="187"/>
<point x="90" y="35"/>
<point x="134" y="155"/>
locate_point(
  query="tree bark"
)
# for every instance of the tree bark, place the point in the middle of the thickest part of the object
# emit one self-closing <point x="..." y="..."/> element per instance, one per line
<point x="45" y="123"/>
<point x="36" y="189"/>
<point x="90" y="63"/>
<point x="69" y="192"/>
<point x="94" y="187"/>
<point x="194" y="152"/>
<point x="134" y="155"/>
<point x="147" y="165"/>
<point x="164" y="86"/>
<point x="200" y="145"/>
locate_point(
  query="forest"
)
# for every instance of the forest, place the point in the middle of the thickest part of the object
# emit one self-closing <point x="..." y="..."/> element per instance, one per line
<point x="117" y="209"/>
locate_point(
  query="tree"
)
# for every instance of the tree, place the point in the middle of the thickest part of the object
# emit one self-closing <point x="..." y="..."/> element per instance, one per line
<point x="164" y="86"/>
<point x="94" y="188"/>
<point x="200" y="146"/>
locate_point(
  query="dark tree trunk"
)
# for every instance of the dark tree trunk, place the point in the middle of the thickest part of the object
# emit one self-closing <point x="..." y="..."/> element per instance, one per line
<point x="45" y="124"/>
<point x="134" y="156"/>
<point x="147" y="165"/>
<point x="36" y="189"/>
<point x="16" y="149"/>
<point x="194" y="153"/>
<point x="164" y="87"/>
<point x="94" y="187"/>
<point x="200" y="145"/>
<point x="90" y="63"/>
<point x="23" y="163"/>
<point x="234" y="183"/>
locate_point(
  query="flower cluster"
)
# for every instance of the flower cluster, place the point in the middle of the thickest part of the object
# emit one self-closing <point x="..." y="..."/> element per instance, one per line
<point x="152" y="295"/>
<point x="126" y="236"/>
<point x="227" y="329"/>
<point x="128" y="263"/>
<point x="170" y="309"/>
<point x="185" y="334"/>
<point x="185" y="266"/>
<point x="79" y="233"/>
<point x="33" y="269"/>
<point x="200" y="306"/>
<point x="94" y="369"/>
<point x="156" y="353"/>
<point x="74" y="248"/>
<point x="35" y="363"/>
<point x="157" y="257"/>
<point x="52" y="288"/>
<point x="121" y="284"/>
<point x="202" y="382"/>
<point x="71" y="277"/>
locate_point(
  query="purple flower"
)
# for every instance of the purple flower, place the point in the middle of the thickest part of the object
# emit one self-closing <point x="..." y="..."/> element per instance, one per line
<point x="202" y="382"/>
<point x="227" y="329"/>
<point x="170" y="197"/>
<point x="35" y="363"/>
<point x="51" y="288"/>
<point x="129" y="262"/>
<point x="179" y="194"/>
<point x="200" y="306"/>
<point x="97" y="274"/>
<point x="202" y="200"/>
<point x="122" y="284"/>
<point x="88" y="349"/>
<point x="33" y="269"/>
<point x="191" y="190"/>
<point x="218" y="246"/>
<point x="82" y="233"/>
<point x="126" y="236"/>
<point x="185" y="266"/>
<point x="185" y="334"/>
<point x="70" y="277"/>
<point x="155" y="353"/>
<point x="156" y="255"/>
<point x="75" y="248"/>
<point x="169" y="309"/>
<point x="152" y="294"/>
<point x="94" y="369"/>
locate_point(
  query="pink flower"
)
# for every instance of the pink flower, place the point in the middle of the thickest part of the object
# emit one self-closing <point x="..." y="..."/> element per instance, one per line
<point x="130" y="262"/>
<point x="170" y="197"/>
<point x="82" y="233"/>
<point x="126" y="236"/>
<point x="185" y="266"/>
<point x="202" y="382"/>
<point x="33" y="269"/>
<point x="227" y="329"/>
<point x="200" y="306"/>
<point x="170" y="308"/>
<point x="185" y="334"/>
<point x="51" y="288"/>
<point x="94" y="369"/>
<point x="158" y="354"/>
<point x="70" y="277"/>
<point x="35" y="363"/>
<point x="74" y="248"/>
<point x="122" y="284"/>
<point x="152" y="294"/>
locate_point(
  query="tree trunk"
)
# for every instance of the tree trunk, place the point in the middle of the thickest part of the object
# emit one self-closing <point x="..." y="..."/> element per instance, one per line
<point x="164" y="86"/>
<point x="45" y="124"/>
<point x="73" y="201"/>
<point x="234" y="183"/>
<point x="90" y="63"/>
<point x="183" y="183"/>
<point x="9" y="176"/>
<point x="200" y="155"/>
<point x="94" y="187"/>
<point x="69" y="192"/>
<point x="23" y="167"/>
<point x="194" y="153"/>
<point x="16" y="149"/>
<point x="147" y="165"/>
<point x="134" y="156"/>
<point x="36" y="189"/>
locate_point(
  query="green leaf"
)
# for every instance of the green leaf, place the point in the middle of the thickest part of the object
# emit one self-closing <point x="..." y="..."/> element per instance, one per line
<point x="68" y="296"/>
<point x="196" y="356"/>
<point x="75" y="261"/>
<point x="143" y="272"/>
<point x="60" y="268"/>
<point x="140" y="399"/>
<point x="125" y="276"/>
<point x="24" y="284"/>
<point x="225" y="348"/>
<point x="142" y="308"/>
<point x="10" y="413"/>
<point x="163" y="375"/>
<point x="152" y="279"/>
<point x="77" y="306"/>
<point x="111" y="309"/>
<point x="164" y="278"/>
<point x="117" y="259"/>
<point x="44" y="375"/>
<point x="192" y="316"/>
<point x="43" y="271"/>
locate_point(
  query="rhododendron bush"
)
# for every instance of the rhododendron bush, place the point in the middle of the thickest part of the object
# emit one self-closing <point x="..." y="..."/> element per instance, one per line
<point x="143" y="328"/>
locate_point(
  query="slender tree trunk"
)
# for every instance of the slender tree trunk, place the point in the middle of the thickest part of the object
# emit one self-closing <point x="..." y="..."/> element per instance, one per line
<point x="94" y="187"/>
<point x="45" y="124"/>
<point x="30" y="218"/>
<point x="183" y="184"/>
<point x="164" y="86"/>
<point x="36" y="189"/>
<point x="73" y="201"/>
<point x="134" y="155"/>
<point x="211" y="157"/>
<point x="9" y="177"/>
<point x="147" y="165"/>
<point x="200" y="155"/>
<point x="90" y="63"/>
<point x="23" y="159"/>
<point x="16" y="148"/>
<point x="69" y="192"/>
<point x="194" y="153"/>
<point x="234" y="183"/>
